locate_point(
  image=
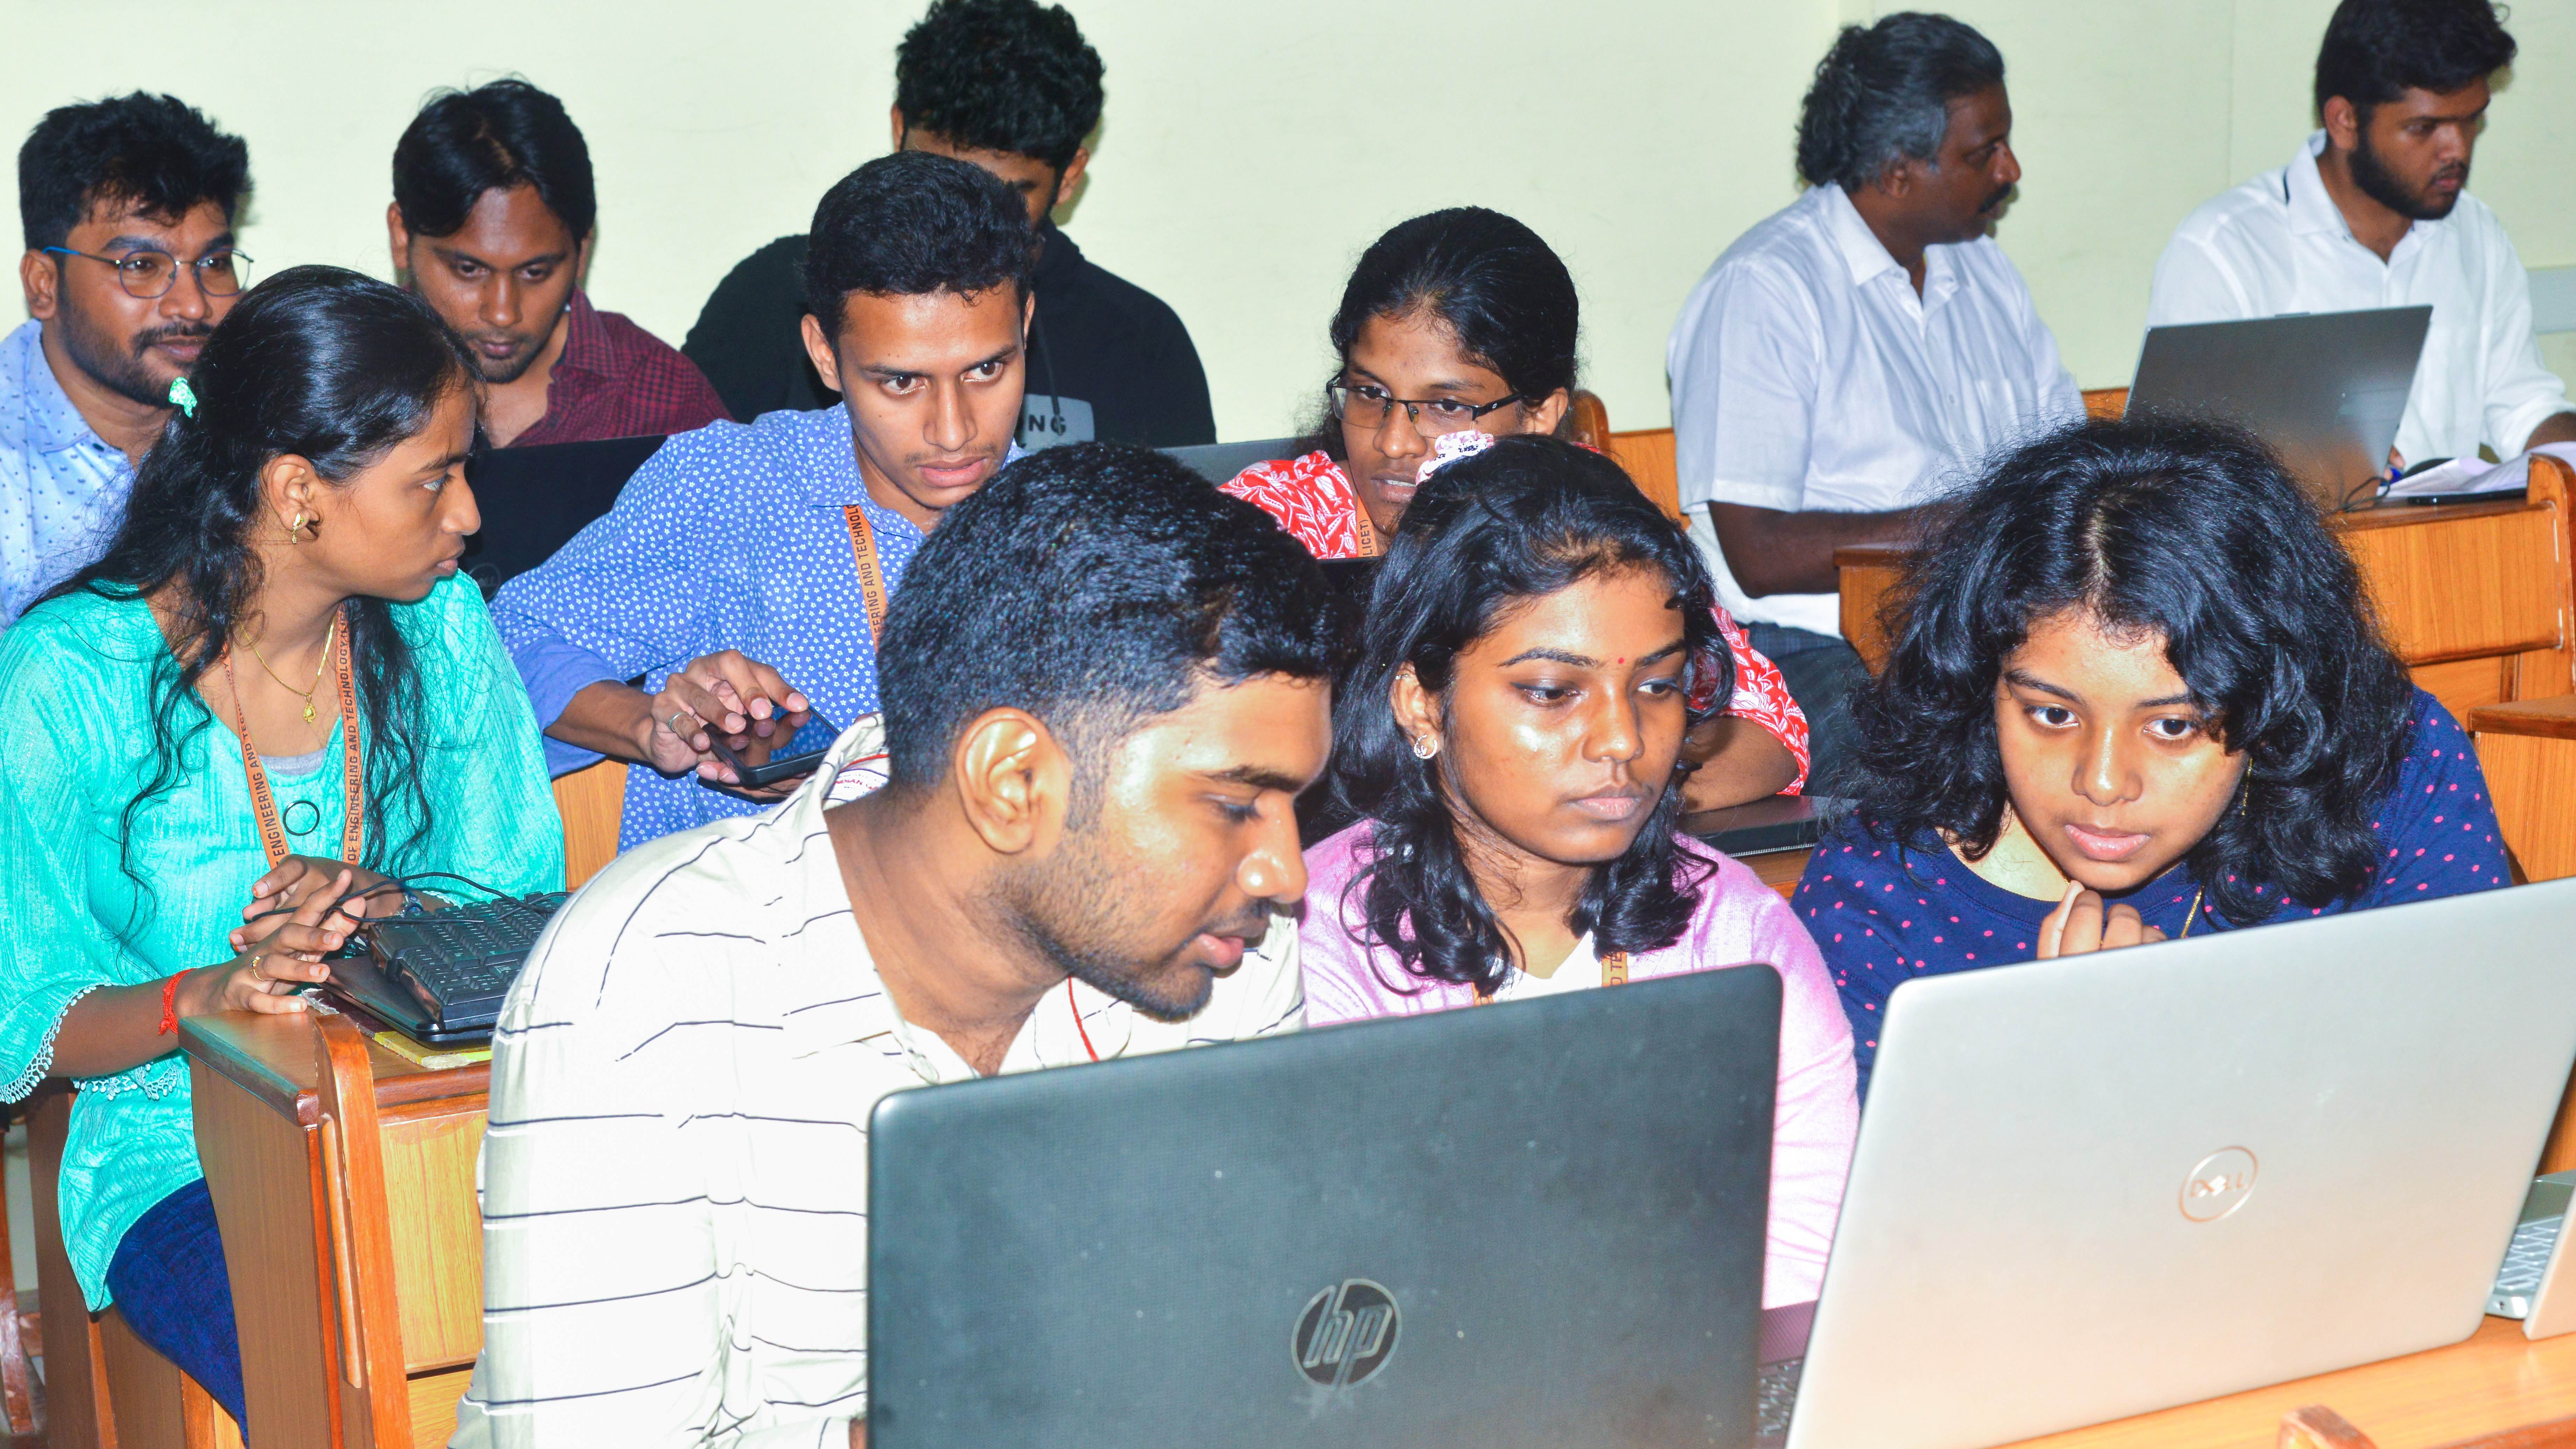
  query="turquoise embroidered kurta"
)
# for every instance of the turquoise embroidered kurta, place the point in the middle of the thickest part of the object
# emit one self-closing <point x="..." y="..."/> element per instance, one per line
<point x="92" y="897"/>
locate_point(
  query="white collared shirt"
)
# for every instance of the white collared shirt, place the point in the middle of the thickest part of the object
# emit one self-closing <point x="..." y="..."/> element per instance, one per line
<point x="2279" y="244"/>
<point x="1807" y="374"/>
<point x="674" y="1182"/>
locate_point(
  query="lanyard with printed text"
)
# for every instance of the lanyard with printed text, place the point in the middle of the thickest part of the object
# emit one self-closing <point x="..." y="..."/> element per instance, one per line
<point x="863" y="543"/>
<point x="1364" y="530"/>
<point x="353" y="821"/>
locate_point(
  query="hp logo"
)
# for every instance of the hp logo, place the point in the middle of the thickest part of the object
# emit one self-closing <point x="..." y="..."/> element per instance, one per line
<point x="1346" y="1334"/>
<point x="2219" y="1185"/>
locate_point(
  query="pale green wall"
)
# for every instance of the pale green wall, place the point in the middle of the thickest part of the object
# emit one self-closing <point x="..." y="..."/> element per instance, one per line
<point x="1251" y="150"/>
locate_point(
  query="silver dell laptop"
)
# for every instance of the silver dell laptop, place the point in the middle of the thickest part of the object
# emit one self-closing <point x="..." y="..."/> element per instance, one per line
<point x="1537" y="1223"/>
<point x="2324" y="390"/>
<point x="2094" y="1187"/>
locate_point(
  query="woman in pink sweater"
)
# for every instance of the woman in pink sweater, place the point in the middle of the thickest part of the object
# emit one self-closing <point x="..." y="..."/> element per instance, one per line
<point x="1536" y="644"/>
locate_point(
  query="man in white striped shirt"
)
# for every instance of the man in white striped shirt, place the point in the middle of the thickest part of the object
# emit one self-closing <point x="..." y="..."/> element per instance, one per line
<point x="1070" y="839"/>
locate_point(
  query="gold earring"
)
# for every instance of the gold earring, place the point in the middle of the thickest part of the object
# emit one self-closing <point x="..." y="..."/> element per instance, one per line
<point x="295" y="530"/>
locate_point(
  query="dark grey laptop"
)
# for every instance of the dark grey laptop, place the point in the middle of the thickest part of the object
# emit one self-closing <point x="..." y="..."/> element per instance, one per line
<point x="2323" y="390"/>
<point x="1538" y="1223"/>
<point x="1219" y="462"/>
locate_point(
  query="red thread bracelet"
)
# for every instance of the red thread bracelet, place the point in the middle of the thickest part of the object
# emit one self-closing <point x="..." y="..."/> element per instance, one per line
<point x="170" y="1004"/>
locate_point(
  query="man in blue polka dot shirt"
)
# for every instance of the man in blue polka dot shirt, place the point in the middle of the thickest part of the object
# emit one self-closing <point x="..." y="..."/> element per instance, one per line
<point x="128" y="210"/>
<point x="728" y="578"/>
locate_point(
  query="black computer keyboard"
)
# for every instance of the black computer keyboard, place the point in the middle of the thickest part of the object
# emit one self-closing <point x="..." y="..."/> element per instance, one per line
<point x="460" y="961"/>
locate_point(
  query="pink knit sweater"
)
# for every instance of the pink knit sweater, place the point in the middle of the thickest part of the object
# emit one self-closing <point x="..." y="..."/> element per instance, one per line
<point x="1739" y="920"/>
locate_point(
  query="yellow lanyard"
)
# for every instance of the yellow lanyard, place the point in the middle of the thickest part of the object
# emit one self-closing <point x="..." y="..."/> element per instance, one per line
<point x="353" y="823"/>
<point x="863" y="543"/>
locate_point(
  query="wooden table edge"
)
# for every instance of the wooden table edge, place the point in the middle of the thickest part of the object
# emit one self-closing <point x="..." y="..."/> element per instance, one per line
<point x="270" y="1057"/>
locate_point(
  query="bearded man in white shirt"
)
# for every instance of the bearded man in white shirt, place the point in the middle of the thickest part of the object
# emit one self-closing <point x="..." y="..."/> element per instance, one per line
<point x="2374" y="211"/>
<point x="1852" y="353"/>
<point x="1071" y="839"/>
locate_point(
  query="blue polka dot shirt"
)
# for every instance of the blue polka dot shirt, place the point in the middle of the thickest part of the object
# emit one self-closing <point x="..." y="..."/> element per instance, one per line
<point x="62" y="488"/>
<point x="729" y="537"/>
<point x="1883" y="915"/>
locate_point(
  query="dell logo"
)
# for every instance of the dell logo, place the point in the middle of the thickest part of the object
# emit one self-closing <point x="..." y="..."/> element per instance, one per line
<point x="1346" y="1334"/>
<point x="2219" y="1185"/>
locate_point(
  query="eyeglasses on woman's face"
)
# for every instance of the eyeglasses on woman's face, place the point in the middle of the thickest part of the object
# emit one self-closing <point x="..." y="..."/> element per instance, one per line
<point x="1367" y="405"/>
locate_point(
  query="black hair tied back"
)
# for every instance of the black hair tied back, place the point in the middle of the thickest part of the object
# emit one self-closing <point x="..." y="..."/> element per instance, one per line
<point x="333" y="367"/>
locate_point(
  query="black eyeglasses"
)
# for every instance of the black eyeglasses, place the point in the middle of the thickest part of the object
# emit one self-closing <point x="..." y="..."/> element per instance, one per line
<point x="1370" y="407"/>
<point x="148" y="272"/>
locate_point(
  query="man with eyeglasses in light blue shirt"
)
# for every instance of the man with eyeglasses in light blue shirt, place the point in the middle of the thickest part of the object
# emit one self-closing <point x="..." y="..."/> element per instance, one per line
<point x="128" y="208"/>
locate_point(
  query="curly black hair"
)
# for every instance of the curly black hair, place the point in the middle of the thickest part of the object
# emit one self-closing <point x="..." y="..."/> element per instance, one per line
<point x="1000" y="75"/>
<point x="2375" y="50"/>
<point x="1521" y="520"/>
<point x="155" y="152"/>
<point x="1883" y="94"/>
<point x="2192" y="533"/>
<point x="910" y="224"/>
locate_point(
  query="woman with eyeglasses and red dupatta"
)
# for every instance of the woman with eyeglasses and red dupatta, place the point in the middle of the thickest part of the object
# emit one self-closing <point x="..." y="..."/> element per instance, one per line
<point x="1464" y="321"/>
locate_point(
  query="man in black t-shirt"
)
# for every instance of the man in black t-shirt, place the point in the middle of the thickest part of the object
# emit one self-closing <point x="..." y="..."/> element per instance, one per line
<point x="1012" y="88"/>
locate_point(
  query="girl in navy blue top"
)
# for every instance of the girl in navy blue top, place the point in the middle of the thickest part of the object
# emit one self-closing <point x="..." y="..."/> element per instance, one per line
<point x="2135" y="692"/>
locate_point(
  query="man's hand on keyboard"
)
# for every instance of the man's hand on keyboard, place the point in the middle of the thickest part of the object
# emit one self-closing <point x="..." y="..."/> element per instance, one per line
<point x="297" y="880"/>
<point x="283" y="954"/>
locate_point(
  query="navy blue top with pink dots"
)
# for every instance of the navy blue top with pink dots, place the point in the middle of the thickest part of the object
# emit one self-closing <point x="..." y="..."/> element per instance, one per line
<point x="1883" y="914"/>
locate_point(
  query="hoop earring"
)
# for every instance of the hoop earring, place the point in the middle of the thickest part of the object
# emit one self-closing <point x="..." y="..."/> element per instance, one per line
<point x="1425" y="746"/>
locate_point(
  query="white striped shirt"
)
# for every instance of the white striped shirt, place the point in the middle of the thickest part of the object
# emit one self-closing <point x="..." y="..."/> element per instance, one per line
<point x="674" y="1182"/>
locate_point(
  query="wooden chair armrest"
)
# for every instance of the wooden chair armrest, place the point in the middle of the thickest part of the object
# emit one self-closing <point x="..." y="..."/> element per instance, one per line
<point x="2542" y="719"/>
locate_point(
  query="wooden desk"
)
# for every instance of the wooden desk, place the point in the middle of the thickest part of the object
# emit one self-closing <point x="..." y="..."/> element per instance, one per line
<point x="257" y="1109"/>
<point x="2495" y="1381"/>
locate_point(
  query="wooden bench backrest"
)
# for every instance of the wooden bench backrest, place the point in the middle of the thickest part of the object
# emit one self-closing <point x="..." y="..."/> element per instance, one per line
<point x="592" y="801"/>
<point x="1647" y="454"/>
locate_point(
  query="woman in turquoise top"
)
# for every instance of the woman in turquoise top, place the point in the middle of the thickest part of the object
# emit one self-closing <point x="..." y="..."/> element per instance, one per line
<point x="291" y="544"/>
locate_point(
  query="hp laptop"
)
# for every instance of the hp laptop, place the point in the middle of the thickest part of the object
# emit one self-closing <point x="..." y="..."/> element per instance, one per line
<point x="1533" y="1224"/>
<point x="2093" y="1187"/>
<point x="2323" y="390"/>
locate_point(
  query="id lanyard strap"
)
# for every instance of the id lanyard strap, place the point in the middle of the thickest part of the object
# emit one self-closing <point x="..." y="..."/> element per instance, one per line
<point x="1362" y="528"/>
<point x="353" y="823"/>
<point x="863" y="543"/>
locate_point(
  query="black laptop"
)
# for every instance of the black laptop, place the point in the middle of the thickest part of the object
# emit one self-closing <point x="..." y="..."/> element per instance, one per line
<point x="1534" y="1224"/>
<point x="535" y="499"/>
<point x="439" y="977"/>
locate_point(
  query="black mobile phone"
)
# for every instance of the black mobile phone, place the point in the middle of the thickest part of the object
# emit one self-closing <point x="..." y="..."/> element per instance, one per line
<point x="768" y="761"/>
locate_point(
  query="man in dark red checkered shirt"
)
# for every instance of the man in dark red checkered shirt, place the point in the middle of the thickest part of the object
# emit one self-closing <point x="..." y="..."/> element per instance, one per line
<point x="492" y="224"/>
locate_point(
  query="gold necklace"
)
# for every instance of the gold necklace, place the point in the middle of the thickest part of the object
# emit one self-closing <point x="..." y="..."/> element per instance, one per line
<point x="2192" y="915"/>
<point x="311" y="710"/>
